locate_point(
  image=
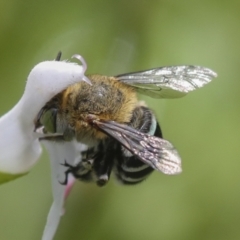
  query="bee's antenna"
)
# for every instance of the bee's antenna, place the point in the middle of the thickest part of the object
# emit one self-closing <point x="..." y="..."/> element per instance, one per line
<point x="58" y="58"/>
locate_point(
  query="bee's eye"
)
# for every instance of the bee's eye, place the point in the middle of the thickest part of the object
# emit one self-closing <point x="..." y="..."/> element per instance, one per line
<point x="48" y="120"/>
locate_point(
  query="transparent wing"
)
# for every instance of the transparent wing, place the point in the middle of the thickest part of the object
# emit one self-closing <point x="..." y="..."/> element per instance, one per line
<point x="168" y="82"/>
<point x="156" y="152"/>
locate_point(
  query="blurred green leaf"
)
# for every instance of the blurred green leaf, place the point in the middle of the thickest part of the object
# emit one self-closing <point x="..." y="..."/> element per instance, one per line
<point x="5" y="177"/>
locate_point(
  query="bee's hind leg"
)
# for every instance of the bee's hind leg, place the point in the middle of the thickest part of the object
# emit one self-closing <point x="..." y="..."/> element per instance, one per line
<point x="103" y="162"/>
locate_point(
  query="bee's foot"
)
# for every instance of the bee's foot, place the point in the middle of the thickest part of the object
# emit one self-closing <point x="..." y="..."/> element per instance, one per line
<point x="64" y="182"/>
<point x="65" y="164"/>
<point x="70" y="169"/>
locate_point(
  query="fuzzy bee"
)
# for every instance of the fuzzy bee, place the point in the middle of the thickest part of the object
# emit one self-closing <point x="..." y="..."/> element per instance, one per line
<point x="121" y="132"/>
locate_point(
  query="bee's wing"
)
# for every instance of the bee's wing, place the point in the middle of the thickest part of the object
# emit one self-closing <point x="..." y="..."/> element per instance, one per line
<point x="168" y="82"/>
<point x="156" y="152"/>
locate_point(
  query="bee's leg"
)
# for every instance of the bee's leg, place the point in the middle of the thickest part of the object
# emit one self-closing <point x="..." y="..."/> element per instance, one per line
<point x="83" y="170"/>
<point x="70" y="169"/>
<point x="96" y="164"/>
<point x="144" y="121"/>
<point x="103" y="162"/>
<point x="66" y="178"/>
<point x="129" y="169"/>
<point x="103" y="170"/>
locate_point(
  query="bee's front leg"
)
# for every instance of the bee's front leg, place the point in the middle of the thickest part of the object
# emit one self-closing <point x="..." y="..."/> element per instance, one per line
<point x="82" y="171"/>
<point x="70" y="169"/>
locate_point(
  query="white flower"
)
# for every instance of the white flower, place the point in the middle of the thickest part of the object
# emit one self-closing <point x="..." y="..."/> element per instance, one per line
<point x="19" y="145"/>
<point x="58" y="153"/>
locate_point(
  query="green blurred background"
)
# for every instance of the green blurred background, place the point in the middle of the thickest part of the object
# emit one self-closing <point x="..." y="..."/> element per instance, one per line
<point x="116" y="37"/>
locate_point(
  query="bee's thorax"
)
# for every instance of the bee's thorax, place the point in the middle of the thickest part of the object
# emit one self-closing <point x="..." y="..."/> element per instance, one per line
<point x="107" y="99"/>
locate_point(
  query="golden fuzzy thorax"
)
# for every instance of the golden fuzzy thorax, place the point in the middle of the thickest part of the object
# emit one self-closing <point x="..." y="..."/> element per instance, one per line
<point x="107" y="99"/>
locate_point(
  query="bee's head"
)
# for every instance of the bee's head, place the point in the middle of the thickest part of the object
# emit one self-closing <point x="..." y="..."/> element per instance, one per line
<point x="47" y="118"/>
<point x="52" y="124"/>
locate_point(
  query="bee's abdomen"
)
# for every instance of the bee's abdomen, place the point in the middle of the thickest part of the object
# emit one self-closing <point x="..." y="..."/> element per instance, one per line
<point x="129" y="169"/>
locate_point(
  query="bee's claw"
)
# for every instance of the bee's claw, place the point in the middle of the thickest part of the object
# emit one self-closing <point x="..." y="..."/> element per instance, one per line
<point x="64" y="182"/>
<point x="70" y="167"/>
<point x="66" y="164"/>
<point x="66" y="177"/>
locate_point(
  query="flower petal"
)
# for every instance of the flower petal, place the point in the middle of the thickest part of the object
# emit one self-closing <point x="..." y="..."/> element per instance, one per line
<point x="69" y="151"/>
<point x="17" y="126"/>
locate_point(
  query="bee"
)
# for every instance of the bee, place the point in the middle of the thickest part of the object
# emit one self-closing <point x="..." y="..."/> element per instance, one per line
<point x="122" y="134"/>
